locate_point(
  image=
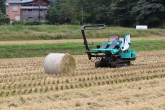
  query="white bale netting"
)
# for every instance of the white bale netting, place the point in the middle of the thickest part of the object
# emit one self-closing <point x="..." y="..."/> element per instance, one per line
<point x="141" y="27"/>
<point x="59" y="63"/>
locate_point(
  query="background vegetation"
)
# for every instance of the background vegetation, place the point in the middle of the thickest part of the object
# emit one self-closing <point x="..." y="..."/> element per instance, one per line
<point x="2" y="6"/>
<point x="127" y="13"/>
<point x="48" y="32"/>
<point x="4" y="21"/>
<point x="26" y="23"/>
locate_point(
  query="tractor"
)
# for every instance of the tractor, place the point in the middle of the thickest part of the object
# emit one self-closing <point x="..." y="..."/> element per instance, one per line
<point x="109" y="54"/>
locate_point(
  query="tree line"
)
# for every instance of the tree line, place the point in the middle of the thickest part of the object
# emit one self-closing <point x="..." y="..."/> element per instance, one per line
<point x="127" y="13"/>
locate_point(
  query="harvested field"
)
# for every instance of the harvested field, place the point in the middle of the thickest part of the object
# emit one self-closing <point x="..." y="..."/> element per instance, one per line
<point x="25" y="85"/>
<point x="75" y="40"/>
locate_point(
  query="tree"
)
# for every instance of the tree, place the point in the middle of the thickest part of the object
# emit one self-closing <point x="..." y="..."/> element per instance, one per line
<point x="1" y="14"/>
<point x="127" y="13"/>
<point x="53" y="3"/>
<point x="68" y="9"/>
<point x="120" y="14"/>
<point x="63" y="12"/>
<point x="2" y="6"/>
<point x="55" y="16"/>
<point x="95" y="11"/>
<point x="102" y="15"/>
<point x="149" y="12"/>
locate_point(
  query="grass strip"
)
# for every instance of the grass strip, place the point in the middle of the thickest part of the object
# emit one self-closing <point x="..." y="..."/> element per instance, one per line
<point x="75" y="48"/>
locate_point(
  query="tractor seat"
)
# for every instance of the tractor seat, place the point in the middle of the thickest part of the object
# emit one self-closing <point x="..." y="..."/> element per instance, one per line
<point x="112" y="46"/>
<point x="109" y="49"/>
<point x="104" y="46"/>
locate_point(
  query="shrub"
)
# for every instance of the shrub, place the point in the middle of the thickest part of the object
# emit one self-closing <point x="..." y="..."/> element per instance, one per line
<point x="4" y="21"/>
<point x="18" y="23"/>
<point x="32" y="23"/>
<point x="75" y="22"/>
<point x="26" y="23"/>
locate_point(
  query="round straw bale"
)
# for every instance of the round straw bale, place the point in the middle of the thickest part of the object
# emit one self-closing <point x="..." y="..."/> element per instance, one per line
<point x="59" y="63"/>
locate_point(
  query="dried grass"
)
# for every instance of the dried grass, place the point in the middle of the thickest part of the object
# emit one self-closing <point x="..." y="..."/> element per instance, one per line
<point x="124" y="96"/>
<point x="128" y="94"/>
<point x="59" y="63"/>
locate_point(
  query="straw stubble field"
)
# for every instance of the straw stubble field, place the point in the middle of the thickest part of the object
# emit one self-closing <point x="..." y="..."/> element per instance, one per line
<point x="25" y="85"/>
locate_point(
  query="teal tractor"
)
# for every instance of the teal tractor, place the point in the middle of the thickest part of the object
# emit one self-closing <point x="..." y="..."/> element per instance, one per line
<point x="109" y="54"/>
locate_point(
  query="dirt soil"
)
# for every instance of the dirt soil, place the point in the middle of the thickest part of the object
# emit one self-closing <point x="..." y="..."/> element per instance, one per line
<point x="76" y="40"/>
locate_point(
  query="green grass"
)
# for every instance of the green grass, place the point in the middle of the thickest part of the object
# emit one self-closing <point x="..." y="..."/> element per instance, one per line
<point x="47" y="32"/>
<point x="76" y="48"/>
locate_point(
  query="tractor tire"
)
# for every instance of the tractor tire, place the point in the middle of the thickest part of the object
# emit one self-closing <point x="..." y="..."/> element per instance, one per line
<point x="129" y="63"/>
<point x="113" y="65"/>
<point x="97" y="64"/>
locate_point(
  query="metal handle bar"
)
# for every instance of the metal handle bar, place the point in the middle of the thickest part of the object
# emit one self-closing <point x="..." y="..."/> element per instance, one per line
<point x="102" y="26"/>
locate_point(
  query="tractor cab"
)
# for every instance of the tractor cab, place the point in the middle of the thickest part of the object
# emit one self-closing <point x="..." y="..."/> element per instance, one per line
<point x="113" y="46"/>
<point x="109" y="43"/>
<point x="112" y="37"/>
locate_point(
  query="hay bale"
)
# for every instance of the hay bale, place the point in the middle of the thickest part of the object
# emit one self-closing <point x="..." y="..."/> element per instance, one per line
<point x="59" y="63"/>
